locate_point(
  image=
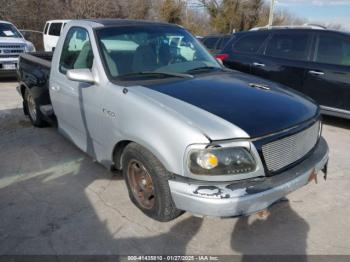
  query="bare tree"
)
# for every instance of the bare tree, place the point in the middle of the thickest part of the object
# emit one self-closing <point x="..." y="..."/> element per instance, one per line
<point x="6" y="5"/>
<point x="171" y="11"/>
<point x="221" y="16"/>
<point x="252" y="11"/>
<point x="226" y="15"/>
<point x="32" y="14"/>
<point x="197" y="23"/>
<point x="139" y="9"/>
<point x="82" y="9"/>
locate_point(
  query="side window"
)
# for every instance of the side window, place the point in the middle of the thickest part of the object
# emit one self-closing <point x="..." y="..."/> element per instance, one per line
<point x="223" y="42"/>
<point x="76" y="52"/>
<point x="249" y="44"/>
<point x="46" y="27"/>
<point x="55" y="29"/>
<point x="289" y="46"/>
<point x="210" y="42"/>
<point x="333" y="50"/>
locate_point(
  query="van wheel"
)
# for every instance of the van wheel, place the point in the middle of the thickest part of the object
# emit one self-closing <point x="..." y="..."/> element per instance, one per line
<point x="33" y="110"/>
<point x="147" y="182"/>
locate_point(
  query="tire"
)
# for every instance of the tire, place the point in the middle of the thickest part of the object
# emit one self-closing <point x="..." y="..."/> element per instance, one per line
<point x="161" y="206"/>
<point x="34" y="113"/>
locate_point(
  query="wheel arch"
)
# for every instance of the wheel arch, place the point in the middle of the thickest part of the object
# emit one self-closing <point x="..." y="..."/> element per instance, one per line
<point x="118" y="153"/>
<point x="120" y="146"/>
<point x="22" y="88"/>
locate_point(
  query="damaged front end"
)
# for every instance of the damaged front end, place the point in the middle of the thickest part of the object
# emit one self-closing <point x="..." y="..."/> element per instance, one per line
<point x="246" y="196"/>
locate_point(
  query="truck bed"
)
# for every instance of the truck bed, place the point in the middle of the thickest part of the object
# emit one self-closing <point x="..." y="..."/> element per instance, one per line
<point x="41" y="58"/>
<point x="33" y="76"/>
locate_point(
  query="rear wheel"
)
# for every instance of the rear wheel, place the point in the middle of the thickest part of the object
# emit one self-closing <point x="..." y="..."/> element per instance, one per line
<point x="33" y="110"/>
<point x="147" y="182"/>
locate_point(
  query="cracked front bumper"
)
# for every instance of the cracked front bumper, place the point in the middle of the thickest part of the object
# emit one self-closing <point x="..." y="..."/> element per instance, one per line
<point x="248" y="196"/>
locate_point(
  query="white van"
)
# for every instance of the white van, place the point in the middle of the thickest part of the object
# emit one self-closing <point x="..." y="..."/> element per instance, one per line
<point x="52" y="31"/>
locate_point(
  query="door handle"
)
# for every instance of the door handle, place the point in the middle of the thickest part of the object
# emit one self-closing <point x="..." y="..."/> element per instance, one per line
<point x="258" y="64"/>
<point x="55" y="88"/>
<point x="316" y="73"/>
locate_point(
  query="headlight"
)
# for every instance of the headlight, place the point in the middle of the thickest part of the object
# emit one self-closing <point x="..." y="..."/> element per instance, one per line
<point x="30" y="47"/>
<point x="221" y="161"/>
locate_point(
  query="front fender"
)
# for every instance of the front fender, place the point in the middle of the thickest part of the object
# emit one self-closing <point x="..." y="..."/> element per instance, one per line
<point x="152" y="125"/>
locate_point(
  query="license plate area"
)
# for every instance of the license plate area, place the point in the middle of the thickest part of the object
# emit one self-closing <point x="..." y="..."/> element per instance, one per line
<point x="9" y="66"/>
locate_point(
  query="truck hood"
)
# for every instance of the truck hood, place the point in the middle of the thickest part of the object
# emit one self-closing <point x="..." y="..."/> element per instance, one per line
<point x="235" y="98"/>
<point x="12" y="40"/>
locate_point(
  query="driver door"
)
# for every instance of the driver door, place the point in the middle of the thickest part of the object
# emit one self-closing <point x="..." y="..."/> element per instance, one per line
<point x="74" y="102"/>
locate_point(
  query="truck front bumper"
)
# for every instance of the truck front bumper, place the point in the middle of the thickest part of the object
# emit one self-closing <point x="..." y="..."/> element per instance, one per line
<point x="248" y="196"/>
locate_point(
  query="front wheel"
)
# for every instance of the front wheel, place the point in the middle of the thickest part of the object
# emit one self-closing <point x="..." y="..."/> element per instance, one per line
<point x="147" y="182"/>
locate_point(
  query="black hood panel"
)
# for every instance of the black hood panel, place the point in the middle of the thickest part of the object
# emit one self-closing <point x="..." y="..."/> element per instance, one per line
<point x="228" y="95"/>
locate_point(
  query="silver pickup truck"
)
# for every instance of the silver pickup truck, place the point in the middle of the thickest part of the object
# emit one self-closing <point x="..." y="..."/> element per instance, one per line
<point x="188" y="134"/>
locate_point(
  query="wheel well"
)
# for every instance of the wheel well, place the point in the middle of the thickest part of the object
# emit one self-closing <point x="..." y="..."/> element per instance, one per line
<point x="118" y="153"/>
<point x="23" y="89"/>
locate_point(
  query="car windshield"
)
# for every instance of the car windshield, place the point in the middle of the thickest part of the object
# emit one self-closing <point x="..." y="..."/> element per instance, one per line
<point x="167" y="50"/>
<point x="8" y="30"/>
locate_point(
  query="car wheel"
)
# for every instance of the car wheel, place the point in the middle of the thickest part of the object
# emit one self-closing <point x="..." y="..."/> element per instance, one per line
<point x="147" y="182"/>
<point x="33" y="110"/>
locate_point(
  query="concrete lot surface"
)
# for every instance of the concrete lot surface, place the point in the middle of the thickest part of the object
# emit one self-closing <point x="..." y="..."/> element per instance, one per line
<point x="55" y="200"/>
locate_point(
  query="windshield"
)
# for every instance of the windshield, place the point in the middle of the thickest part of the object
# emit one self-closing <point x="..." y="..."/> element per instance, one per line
<point x="8" y="30"/>
<point x="165" y="49"/>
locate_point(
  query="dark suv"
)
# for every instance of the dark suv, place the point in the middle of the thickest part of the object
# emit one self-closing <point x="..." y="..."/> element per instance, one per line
<point x="312" y="61"/>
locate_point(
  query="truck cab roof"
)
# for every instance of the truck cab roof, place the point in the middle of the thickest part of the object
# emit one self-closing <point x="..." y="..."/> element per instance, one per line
<point x="123" y="22"/>
<point x="4" y="22"/>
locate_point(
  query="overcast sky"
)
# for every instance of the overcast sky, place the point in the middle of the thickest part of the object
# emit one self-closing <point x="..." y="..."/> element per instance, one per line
<point x="319" y="11"/>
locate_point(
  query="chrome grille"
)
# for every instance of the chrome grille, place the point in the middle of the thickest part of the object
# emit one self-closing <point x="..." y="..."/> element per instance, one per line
<point x="11" y="49"/>
<point x="11" y="46"/>
<point x="281" y="153"/>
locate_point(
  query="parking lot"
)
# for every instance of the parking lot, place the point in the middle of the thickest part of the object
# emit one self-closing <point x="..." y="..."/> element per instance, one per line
<point x="54" y="199"/>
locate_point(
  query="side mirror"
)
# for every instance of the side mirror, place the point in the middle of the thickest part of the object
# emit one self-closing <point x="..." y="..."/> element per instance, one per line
<point x="81" y="75"/>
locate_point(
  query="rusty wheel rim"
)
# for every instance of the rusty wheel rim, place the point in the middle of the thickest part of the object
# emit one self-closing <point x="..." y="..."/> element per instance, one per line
<point x="141" y="184"/>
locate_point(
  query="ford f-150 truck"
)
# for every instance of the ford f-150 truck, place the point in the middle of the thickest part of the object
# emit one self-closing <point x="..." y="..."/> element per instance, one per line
<point x="12" y="44"/>
<point x="188" y="134"/>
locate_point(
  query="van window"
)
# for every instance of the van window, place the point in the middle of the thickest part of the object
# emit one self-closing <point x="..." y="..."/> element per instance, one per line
<point x="55" y="29"/>
<point x="77" y="51"/>
<point x="46" y="27"/>
<point x="249" y="44"/>
<point x="333" y="50"/>
<point x="289" y="46"/>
